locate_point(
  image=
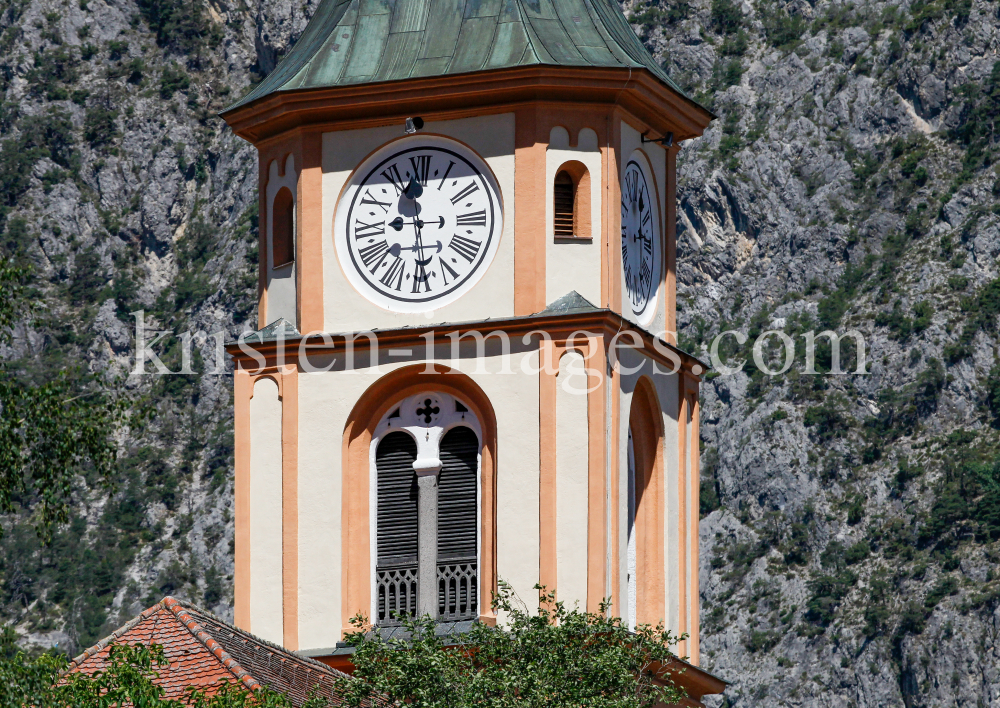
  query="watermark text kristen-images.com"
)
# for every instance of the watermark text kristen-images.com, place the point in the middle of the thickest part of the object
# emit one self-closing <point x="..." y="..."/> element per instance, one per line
<point x="773" y="352"/>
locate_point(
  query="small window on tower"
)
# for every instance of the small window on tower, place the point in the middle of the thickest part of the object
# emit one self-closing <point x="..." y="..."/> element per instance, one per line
<point x="283" y="228"/>
<point x="564" y="197"/>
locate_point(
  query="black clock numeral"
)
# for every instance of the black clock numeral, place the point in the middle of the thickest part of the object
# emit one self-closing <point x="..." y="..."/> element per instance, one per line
<point x="629" y="280"/>
<point x="451" y="163"/>
<point x="447" y="270"/>
<point x="391" y="173"/>
<point x="473" y="218"/>
<point x="469" y="189"/>
<point x="647" y="245"/>
<point x="394" y="273"/>
<point x="467" y="248"/>
<point x="369" y="199"/>
<point x="363" y="230"/>
<point x="420" y="277"/>
<point x="373" y="255"/>
<point x="645" y="275"/>
<point x="421" y="166"/>
<point x="646" y="219"/>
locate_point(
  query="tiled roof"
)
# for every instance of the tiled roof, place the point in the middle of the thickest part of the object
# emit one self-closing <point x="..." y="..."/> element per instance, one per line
<point x="202" y="650"/>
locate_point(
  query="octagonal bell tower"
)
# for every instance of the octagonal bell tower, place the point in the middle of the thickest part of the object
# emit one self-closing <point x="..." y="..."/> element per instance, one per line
<point x="466" y="207"/>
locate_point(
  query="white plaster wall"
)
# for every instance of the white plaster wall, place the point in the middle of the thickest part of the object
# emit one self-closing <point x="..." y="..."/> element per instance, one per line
<point x="634" y="365"/>
<point x="319" y="513"/>
<point x="280" y="281"/>
<point x="345" y="309"/>
<point x="657" y="156"/>
<point x="265" y="512"/>
<point x="572" y="475"/>
<point x="573" y="265"/>
<point x="326" y="398"/>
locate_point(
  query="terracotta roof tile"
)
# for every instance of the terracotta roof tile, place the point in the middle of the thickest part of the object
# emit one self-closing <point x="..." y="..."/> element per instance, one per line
<point x="203" y="650"/>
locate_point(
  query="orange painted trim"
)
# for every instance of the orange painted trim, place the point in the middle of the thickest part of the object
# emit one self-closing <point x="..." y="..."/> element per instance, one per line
<point x="358" y="433"/>
<point x="242" y="390"/>
<point x="614" y="479"/>
<point x="597" y="521"/>
<point x="263" y="163"/>
<point x="670" y="252"/>
<point x="646" y="424"/>
<point x="530" y="144"/>
<point x="309" y="266"/>
<point x="549" y="354"/>
<point x="682" y="516"/>
<point x="613" y="236"/>
<point x="447" y="97"/>
<point x="290" y="506"/>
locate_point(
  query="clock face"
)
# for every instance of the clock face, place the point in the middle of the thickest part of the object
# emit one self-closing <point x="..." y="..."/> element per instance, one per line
<point x="418" y="224"/>
<point x="640" y="242"/>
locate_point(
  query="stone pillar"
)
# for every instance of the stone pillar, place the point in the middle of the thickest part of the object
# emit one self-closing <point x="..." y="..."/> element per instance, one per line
<point x="427" y="513"/>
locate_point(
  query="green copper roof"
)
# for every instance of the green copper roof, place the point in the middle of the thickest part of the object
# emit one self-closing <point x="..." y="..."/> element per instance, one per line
<point x="363" y="41"/>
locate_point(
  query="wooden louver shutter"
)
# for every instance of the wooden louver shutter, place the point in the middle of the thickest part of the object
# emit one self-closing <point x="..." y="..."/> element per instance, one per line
<point x="458" y="524"/>
<point x="563" y="197"/>
<point x="396" y="527"/>
<point x="283" y="231"/>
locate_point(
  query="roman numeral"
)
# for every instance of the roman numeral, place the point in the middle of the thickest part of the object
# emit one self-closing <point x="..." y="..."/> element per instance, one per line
<point x="647" y="217"/>
<point x="645" y="274"/>
<point x="363" y="230"/>
<point x="420" y="277"/>
<point x="469" y="189"/>
<point x="421" y="166"/>
<point x="391" y="173"/>
<point x="373" y="255"/>
<point x="629" y="280"/>
<point x="445" y="270"/>
<point x="369" y="199"/>
<point x="473" y="218"/>
<point x="465" y="247"/>
<point x="647" y="245"/>
<point x="451" y="163"/>
<point x="394" y="273"/>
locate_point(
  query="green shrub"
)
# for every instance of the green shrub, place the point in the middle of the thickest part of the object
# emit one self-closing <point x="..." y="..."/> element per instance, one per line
<point x="180" y="24"/>
<point x="857" y="552"/>
<point x="173" y="79"/>
<point x="99" y="126"/>
<point x="726" y="16"/>
<point x="827" y="422"/>
<point x="983" y="309"/>
<point x="783" y="31"/>
<point x="827" y="593"/>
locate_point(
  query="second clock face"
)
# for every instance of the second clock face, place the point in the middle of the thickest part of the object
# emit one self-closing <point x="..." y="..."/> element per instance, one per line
<point x="640" y="242"/>
<point x="418" y="224"/>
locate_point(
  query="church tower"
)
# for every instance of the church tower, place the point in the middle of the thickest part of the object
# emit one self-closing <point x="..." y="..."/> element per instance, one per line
<point x="466" y="369"/>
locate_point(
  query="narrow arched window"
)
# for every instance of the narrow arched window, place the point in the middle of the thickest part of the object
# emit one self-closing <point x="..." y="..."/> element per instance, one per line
<point x="283" y="228"/>
<point x="564" y="205"/>
<point x="396" y="528"/>
<point x="458" y="523"/>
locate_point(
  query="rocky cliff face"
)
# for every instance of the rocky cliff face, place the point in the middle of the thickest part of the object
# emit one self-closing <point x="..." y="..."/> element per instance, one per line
<point x="850" y="521"/>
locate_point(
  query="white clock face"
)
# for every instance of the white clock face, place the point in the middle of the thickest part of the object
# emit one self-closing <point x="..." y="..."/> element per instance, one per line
<point x="418" y="224"/>
<point x="640" y="242"/>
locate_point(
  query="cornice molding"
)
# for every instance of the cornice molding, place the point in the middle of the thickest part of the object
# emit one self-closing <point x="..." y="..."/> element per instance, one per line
<point x="637" y="91"/>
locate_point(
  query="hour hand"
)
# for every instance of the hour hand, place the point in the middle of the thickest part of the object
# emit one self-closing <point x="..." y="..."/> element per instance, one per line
<point x="397" y="223"/>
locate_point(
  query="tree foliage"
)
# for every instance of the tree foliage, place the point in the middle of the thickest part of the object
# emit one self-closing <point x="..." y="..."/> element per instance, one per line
<point x="50" y="432"/>
<point x="553" y="658"/>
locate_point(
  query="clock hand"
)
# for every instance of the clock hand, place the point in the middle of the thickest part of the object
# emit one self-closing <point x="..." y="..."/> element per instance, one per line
<point x="413" y="189"/>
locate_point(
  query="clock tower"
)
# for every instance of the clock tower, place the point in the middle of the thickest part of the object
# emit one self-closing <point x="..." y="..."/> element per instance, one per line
<point x="466" y="369"/>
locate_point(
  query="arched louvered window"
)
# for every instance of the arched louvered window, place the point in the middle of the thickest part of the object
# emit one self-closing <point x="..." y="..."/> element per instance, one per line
<point x="283" y="228"/>
<point x="563" y="194"/>
<point x="458" y="524"/>
<point x="396" y="528"/>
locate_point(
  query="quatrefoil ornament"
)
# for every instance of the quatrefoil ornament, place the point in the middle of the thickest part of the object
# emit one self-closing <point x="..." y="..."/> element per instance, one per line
<point x="428" y="411"/>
